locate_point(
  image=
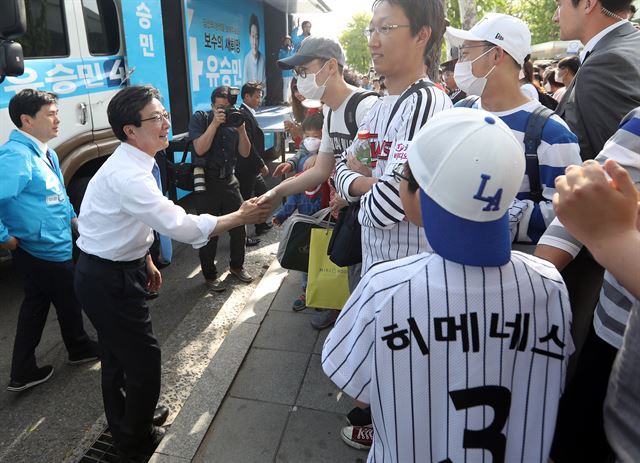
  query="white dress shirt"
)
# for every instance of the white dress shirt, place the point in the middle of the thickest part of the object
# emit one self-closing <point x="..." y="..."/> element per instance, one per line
<point x="122" y="205"/>
<point x="590" y="45"/>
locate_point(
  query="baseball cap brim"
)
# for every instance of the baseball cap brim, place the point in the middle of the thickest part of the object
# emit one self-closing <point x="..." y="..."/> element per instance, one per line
<point x="481" y="244"/>
<point x="457" y="36"/>
<point x="294" y="61"/>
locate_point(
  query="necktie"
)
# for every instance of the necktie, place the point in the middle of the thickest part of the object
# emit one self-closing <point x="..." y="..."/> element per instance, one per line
<point x="166" y="250"/>
<point x="50" y="159"/>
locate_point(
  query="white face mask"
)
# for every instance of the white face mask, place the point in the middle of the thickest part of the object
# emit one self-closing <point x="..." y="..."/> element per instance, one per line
<point x="547" y="87"/>
<point x="521" y="75"/>
<point x="309" y="88"/>
<point x="467" y="82"/>
<point x="312" y="144"/>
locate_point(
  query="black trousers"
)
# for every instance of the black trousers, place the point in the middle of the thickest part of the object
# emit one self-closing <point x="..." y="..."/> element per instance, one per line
<point x="251" y="185"/>
<point x="45" y="283"/>
<point x="221" y="197"/>
<point x="579" y="435"/>
<point x="129" y="351"/>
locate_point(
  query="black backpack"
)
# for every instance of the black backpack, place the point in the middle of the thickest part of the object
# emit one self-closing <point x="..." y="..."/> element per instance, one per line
<point x="345" y="246"/>
<point x="532" y="140"/>
<point x="349" y="118"/>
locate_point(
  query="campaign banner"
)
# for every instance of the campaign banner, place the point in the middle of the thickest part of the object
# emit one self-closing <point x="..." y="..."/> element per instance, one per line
<point x="225" y="46"/>
<point x="66" y="77"/>
<point x="144" y="38"/>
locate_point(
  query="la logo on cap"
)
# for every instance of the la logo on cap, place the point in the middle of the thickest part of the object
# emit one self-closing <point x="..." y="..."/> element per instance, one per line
<point x="499" y="36"/>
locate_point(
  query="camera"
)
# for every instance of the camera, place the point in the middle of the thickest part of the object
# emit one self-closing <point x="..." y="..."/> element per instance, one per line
<point x="235" y="117"/>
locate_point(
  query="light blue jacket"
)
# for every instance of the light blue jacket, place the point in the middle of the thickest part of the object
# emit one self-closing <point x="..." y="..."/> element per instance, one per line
<point x="284" y="53"/>
<point x="34" y="206"/>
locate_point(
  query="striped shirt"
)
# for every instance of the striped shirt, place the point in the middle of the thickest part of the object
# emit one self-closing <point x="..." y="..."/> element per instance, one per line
<point x="615" y="302"/>
<point x="386" y="235"/>
<point x="427" y="342"/>
<point x="558" y="149"/>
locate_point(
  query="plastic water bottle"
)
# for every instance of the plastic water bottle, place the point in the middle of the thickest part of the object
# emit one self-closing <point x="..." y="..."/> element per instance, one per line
<point x="362" y="148"/>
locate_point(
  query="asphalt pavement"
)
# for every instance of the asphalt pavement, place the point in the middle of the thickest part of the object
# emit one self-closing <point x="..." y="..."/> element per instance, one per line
<point x="57" y="420"/>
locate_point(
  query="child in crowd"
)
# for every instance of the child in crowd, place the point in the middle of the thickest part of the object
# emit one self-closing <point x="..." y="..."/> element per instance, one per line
<point x="307" y="203"/>
<point x="312" y="127"/>
<point x="461" y="352"/>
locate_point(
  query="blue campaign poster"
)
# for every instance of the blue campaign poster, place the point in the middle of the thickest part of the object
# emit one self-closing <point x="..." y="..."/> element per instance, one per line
<point x="225" y="46"/>
<point x="145" y="45"/>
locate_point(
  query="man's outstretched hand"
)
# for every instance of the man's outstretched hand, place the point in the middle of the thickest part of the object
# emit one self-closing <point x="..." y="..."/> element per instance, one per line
<point x="253" y="212"/>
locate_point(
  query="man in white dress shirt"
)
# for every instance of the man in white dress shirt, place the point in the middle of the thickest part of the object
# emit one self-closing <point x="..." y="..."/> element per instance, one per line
<point x="121" y="208"/>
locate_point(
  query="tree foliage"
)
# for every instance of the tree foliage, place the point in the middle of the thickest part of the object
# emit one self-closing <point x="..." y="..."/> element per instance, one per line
<point x="354" y="42"/>
<point x="537" y="14"/>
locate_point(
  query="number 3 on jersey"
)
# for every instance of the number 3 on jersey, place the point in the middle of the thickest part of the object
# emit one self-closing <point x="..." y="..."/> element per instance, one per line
<point x="491" y="437"/>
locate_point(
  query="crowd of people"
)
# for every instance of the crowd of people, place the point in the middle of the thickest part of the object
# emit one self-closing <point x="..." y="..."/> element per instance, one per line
<point x="495" y="307"/>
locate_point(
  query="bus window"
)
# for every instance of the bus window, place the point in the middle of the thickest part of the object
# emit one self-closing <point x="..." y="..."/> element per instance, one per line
<point x="46" y="30"/>
<point x="101" y="21"/>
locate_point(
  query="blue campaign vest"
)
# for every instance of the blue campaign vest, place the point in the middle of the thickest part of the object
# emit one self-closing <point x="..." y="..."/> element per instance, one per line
<point x="34" y="206"/>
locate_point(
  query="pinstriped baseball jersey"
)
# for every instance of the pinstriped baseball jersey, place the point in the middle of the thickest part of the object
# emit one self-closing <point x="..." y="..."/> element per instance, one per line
<point x="459" y="363"/>
<point x="385" y="233"/>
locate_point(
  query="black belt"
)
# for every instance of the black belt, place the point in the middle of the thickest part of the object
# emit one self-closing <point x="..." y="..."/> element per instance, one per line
<point x="211" y="173"/>
<point x="116" y="264"/>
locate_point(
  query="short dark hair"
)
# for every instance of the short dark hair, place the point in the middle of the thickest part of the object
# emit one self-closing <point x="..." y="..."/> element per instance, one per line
<point x="220" y="92"/>
<point x="124" y="108"/>
<point x="253" y="21"/>
<point x="250" y="88"/>
<point x="571" y="63"/>
<point x="29" y="102"/>
<point x="304" y="23"/>
<point x="420" y="13"/>
<point x="614" y="6"/>
<point x="412" y="183"/>
<point x="313" y="122"/>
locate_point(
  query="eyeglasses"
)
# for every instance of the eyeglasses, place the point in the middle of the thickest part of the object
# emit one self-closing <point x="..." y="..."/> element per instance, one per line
<point x="462" y="48"/>
<point x="399" y="172"/>
<point x="158" y="118"/>
<point x="384" y="29"/>
<point x="302" y="72"/>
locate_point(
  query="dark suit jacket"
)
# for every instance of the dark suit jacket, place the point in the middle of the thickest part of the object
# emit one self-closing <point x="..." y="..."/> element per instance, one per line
<point x="252" y="164"/>
<point x="605" y="89"/>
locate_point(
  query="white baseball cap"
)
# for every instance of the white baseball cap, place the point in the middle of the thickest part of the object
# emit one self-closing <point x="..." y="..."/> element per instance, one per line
<point x="469" y="167"/>
<point x="507" y="32"/>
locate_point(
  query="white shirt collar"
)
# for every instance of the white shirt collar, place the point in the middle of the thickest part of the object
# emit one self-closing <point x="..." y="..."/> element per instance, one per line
<point x="253" y="111"/>
<point x="43" y="147"/>
<point x="141" y="156"/>
<point x="590" y="45"/>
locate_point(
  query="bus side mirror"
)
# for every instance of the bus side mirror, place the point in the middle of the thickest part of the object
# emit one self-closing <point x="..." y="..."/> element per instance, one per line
<point x="11" y="59"/>
<point x="13" y="21"/>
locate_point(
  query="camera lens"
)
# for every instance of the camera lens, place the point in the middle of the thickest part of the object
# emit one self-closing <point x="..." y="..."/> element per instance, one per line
<point x="199" y="184"/>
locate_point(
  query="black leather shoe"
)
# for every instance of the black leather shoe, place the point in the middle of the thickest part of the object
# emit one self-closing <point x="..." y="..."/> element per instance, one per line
<point x="160" y="415"/>
<point x="141" y="454"/>
<point x="252" y="241"/>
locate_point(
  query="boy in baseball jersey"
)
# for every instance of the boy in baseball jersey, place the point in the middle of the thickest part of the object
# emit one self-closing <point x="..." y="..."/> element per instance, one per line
<point x="461" y="353"/>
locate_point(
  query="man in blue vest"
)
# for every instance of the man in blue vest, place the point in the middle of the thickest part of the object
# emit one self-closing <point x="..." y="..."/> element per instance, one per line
<point x="36" y="219"/>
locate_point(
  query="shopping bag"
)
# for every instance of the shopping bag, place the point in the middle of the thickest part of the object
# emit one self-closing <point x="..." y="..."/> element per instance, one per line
<point x="328" y="284"/>
<point x="293" y="251"/>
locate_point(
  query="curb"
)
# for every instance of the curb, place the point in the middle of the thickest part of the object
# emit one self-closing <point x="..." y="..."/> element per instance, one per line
<point x="191" y="424"/>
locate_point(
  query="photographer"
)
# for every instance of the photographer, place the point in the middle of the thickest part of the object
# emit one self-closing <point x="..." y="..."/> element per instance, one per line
<point x="219" y="136"/>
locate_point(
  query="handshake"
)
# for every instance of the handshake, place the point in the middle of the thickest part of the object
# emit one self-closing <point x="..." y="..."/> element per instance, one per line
<point x="256" y="210"/>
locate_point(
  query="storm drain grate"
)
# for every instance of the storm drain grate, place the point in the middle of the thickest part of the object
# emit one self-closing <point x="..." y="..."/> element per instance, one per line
<point x="102" y="450"/>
